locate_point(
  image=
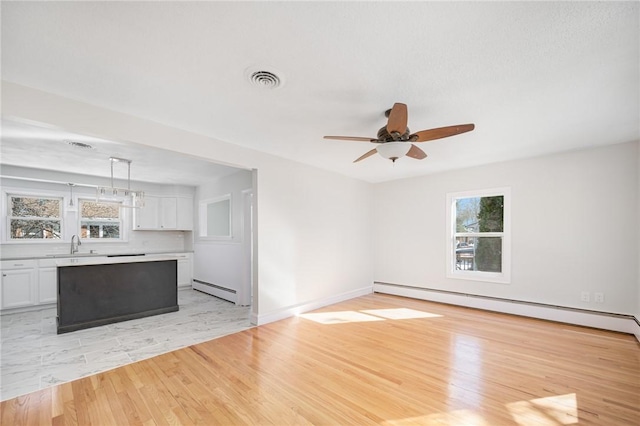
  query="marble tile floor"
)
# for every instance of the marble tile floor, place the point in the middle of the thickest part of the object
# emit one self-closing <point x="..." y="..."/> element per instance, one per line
<point x="34" y="357"/>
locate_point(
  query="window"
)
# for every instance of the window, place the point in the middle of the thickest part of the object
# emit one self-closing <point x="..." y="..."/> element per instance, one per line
<point x="100" y="221"/>
<point x="479" y="236"/>
<point x="215" y="218"/>
<point x="34" y="217"/>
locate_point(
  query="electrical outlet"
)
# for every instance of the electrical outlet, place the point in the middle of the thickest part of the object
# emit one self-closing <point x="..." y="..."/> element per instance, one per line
<point x="598" y="297"/>
<point x="585" y="297"/>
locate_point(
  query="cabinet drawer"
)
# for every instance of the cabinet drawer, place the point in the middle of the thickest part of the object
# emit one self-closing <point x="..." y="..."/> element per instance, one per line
<point x="8" y="265"/>
<point x="48" y="263"/>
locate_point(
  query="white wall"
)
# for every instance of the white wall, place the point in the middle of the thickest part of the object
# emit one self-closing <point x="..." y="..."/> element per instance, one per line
<point x="223" y="262"/>
<point x="315" y="235"/>
<point x="574" y="228"/>
<point x="313" y="227"/>
<point x="638" y="243"/>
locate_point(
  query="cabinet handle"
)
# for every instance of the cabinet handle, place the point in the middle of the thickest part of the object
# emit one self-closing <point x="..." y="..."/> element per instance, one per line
<point x="18" y="264"/>
<point x="4" y="275"/>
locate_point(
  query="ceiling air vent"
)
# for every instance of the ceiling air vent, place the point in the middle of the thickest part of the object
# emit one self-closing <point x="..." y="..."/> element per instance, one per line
<point x="76" y="144"/>
<point x="265" y="79"/>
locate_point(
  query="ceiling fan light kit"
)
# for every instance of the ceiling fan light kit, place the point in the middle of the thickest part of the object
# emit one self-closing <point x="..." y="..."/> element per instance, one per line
<point x="393" y="150"/>
<point x="395" y="139"/>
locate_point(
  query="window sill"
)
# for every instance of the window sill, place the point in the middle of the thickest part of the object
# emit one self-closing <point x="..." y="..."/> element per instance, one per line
<point x="490" y="277"/>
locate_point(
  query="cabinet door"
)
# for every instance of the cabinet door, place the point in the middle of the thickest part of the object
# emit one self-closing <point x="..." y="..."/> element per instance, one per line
<point x="17" y="288"/>
<point x="184" y="272"/>
<point x="47" y="285"/>
<point x="169" y="213"/>
<point x="147" y="217"/>
<point x="185" y="214"/>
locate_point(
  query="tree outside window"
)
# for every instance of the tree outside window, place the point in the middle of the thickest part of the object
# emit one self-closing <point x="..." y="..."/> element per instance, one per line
<point x="33" y="217"/>
<point x="100" y="220"/>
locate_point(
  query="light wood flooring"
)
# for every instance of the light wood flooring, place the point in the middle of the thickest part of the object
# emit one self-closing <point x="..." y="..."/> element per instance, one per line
<point x="374" y="360"/>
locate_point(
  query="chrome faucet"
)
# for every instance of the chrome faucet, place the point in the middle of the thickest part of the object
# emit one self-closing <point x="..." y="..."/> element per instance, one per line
<point x="74" y="247"/>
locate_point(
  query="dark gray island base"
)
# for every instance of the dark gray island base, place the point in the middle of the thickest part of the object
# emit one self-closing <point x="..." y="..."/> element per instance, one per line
<point x="95" y="295"/>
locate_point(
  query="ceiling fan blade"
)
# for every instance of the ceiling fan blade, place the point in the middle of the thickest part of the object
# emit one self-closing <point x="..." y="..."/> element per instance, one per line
<point x="440" y="132"/>
<point x="397" y="119"/>
<point x="367" y="155"/>
<point x="416" y="153"/>
<point x="351" y="138"/>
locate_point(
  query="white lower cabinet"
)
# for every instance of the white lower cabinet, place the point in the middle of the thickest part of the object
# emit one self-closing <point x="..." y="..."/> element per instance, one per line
<point x="18" y="284"/>
<point x="47" y="285"/>
<point x="185" y="271"/>
<point x="47" y="281"/>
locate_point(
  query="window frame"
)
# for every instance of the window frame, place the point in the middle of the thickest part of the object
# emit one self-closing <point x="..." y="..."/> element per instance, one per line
<point x="120" y="222"/>
<point x="503" y="277"/>
<point x="10" y="193"/>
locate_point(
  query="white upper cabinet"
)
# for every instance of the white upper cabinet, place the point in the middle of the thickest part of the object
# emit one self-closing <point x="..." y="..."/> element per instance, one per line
<point x="185" y="213"/>
<point x="147" y="217"/>
<point x="168" y="213"/>
<point x="164" y="213"/>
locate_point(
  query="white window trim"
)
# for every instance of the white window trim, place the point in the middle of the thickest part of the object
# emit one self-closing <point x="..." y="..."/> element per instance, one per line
<point x="124" y="236"/>
<point x="21" y="192"/>
<point x="503" y="277"/>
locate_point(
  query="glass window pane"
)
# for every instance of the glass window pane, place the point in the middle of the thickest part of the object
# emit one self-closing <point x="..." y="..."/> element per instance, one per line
<point x="480" y="214"/>
<point x="479" y="254"/>
<point x="465" y="253"/>
<point x="491" y="214"/>
<point x="488" y="254"/>
<point x="467" y="210"/>
<point x="218" y="218"/>
<point x="93" y="210"/>
<point x="94" y="231"/>
<point x="34" y="207"/>
<point x="99" y="229"/>
<point x="31" y="229"/>
<point x="110" y="231"/>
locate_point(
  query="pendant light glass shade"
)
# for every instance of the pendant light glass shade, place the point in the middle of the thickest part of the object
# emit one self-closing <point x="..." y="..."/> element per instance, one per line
<point x="111" y="194"/>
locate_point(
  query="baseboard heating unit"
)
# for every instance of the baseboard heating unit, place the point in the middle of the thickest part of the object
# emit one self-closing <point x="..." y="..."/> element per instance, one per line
<point x="216" y="290"/>
<point x="597" y="319"/>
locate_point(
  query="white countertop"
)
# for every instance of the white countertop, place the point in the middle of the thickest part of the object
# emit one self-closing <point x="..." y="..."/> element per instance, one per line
<point x="104" y="260"/>
<point x="84" y="255"/>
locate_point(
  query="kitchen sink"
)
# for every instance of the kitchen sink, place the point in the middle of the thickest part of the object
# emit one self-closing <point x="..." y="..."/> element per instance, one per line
<point x="75" y="255"/>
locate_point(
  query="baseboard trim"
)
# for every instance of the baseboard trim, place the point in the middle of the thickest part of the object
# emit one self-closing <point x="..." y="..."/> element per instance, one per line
<point x="596" y="319"/>
<point x="636" y="328"/>
<point x="290" y="311"/>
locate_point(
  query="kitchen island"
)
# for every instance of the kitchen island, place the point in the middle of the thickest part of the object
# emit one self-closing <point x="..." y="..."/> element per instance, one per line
<point x="95" y="291"/>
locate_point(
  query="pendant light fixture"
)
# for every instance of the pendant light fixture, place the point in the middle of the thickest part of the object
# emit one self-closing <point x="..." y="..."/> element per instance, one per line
<point x="111" y="194"/>
<point x="71" y="207"/>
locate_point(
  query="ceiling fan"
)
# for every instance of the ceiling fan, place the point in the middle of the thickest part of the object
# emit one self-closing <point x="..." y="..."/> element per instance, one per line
<point x="395" y="140"/>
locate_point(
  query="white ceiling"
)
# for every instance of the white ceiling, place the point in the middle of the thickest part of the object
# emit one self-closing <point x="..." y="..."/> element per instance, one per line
<point x="534" y="77"/>
<point x="27" y="145"/>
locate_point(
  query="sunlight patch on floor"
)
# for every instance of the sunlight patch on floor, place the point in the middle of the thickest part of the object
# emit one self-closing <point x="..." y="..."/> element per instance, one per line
<point x="366" y="315"/>
<point x="400" y="313"/>
<point x="552" y="410"/>
<point x="452" y="418"/>
<point x="339" y="317"/>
